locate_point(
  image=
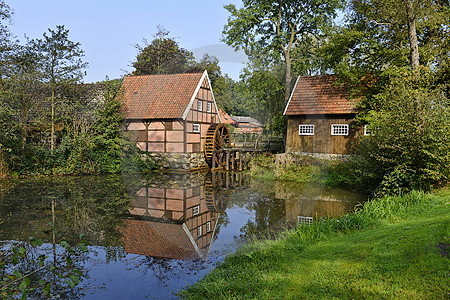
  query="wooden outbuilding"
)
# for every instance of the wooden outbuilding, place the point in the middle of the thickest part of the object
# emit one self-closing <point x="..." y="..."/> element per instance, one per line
<point x="320" y="117"/>
<point x="247" y="125"/>
<point x="170" y="115"/>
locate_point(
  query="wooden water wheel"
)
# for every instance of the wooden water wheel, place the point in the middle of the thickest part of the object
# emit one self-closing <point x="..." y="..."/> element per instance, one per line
<point x="217" y="137"/>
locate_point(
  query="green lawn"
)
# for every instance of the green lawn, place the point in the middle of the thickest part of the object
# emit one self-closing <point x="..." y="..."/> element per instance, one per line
<point x="388" y="250"/>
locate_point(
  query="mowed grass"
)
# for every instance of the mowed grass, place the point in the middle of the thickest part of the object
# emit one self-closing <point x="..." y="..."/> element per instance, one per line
<point x="387" y="250"/>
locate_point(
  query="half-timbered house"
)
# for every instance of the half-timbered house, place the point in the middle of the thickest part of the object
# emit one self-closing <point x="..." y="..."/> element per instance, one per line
<point x="169" y="116"/>
<point x="320" y="117"/>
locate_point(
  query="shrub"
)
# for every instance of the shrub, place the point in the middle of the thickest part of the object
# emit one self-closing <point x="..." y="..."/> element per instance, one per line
<point x="410" y="147"/>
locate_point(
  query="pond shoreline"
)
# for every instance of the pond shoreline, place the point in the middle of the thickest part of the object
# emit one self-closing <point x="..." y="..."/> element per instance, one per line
<point x="331" y="259"/>
<point x="177" y="225"/>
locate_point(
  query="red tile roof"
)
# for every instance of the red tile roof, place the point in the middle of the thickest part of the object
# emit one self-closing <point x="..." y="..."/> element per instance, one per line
<point x="225" y="118"/>
<point x="160" y="96"/>
<point x="166" y="240"/>
<point x="319" y="95"/>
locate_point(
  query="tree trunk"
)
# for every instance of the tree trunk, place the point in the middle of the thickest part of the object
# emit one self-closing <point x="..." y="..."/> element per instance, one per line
<point x="287" y="87"/>
<point x="52" y="137"/>
<point x="412" y="34"/>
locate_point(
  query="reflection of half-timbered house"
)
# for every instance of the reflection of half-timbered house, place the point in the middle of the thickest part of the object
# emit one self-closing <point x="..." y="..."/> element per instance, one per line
<point x="169" y="116"/>
<point x="320" y="116"/>
<point x="176" y="222"/>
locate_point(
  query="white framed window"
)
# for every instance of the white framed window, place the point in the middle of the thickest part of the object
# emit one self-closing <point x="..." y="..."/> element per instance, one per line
<point x="208" y="226"/>
<point x="301" y="220"/>
<point x="367" y="130"/>
<point x="196" y="210"/>
<point x="199" y="231"/>
<point x="199" y="105"/>
<point x="195" y="127"/>
<point x="339" y="129"/>
<point x="208" y="107"/>
<point x="305" y="129"/>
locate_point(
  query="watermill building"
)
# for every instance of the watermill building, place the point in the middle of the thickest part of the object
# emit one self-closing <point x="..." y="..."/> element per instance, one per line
<point x="170" y="116"/>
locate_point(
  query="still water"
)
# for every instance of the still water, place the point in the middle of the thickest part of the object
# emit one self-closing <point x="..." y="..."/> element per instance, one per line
<point x="151" y="236"/>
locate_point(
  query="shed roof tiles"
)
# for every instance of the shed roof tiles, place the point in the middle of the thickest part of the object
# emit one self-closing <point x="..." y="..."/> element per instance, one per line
<point x="319" y="95"/>
<point x="159" y="96"/>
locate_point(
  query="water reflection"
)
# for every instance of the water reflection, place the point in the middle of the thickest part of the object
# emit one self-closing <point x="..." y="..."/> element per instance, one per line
<point x="176" y="221"/>
<point x="152" y="236"/>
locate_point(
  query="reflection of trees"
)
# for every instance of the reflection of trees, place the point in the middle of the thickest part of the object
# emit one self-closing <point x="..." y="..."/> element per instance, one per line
<point x="30" y="271"/>
<point x="165" y="269"/>
<point x="90" y="205"/>
<point x="269" y="218"/>
<point x="222" y="221"/>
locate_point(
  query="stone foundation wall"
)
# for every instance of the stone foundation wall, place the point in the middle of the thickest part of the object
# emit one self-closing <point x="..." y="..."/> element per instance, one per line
<point x="179" y="161"/>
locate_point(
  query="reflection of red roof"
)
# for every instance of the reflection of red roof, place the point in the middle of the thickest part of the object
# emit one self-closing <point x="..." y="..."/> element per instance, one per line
<point x="318" y="95"/>
<point x="157" y="239"/>
<point x="160" y="96"/>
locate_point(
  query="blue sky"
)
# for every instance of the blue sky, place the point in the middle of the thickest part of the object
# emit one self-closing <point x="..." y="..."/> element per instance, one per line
<point x="107" y="30"/>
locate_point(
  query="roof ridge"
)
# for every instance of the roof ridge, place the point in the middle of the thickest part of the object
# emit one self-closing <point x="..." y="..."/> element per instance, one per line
<point x="171" y="74"/>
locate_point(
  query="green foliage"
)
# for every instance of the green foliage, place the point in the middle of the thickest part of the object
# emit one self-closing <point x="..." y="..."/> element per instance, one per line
<point x="273" y="26"/>
<point x="162" y="56"/>
<point x="411" y="121"/>
<point x="272" y="30"/>
<point x="375" y="253"/>
<point x="375" y="38"/>
<point x="348" y="174"/>
<point x="60" y="58"/>
<point x="29" y="271"/>
<point x="100" y="145"/>
<point x="261" y="95"/>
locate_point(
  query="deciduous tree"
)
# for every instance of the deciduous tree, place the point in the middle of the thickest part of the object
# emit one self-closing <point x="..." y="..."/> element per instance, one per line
<point x="409" y="148"/>
<point x="273" y="28"/>
<point x="162" y="56"/>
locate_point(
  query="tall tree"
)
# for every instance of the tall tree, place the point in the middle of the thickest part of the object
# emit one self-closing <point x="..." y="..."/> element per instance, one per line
<point x="385" y="33"/>
<point x="60" y="63"/>
<point x="7" y="44"/>
<point x="260" y="94"/>
<point x="162" y="56"/>
<point x="275" y="27"/>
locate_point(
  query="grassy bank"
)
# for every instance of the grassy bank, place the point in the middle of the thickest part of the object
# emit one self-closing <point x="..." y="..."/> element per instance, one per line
<point x="310" y="169"/>
<point x="393" y="248"/>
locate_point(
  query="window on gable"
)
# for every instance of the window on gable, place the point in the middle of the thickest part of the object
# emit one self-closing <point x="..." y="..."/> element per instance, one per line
<point x="195" y="127"/>
<point x="199" y="231"/>
<point x="199" y="105"/>
<point x="339" y="129"/>
<point x="306" y="129"/>
<point x="209" y="107"/>
<point x="208" y="226"/>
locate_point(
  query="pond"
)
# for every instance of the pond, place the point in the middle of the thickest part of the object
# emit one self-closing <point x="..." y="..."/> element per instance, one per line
<point x="148" y="236"/>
